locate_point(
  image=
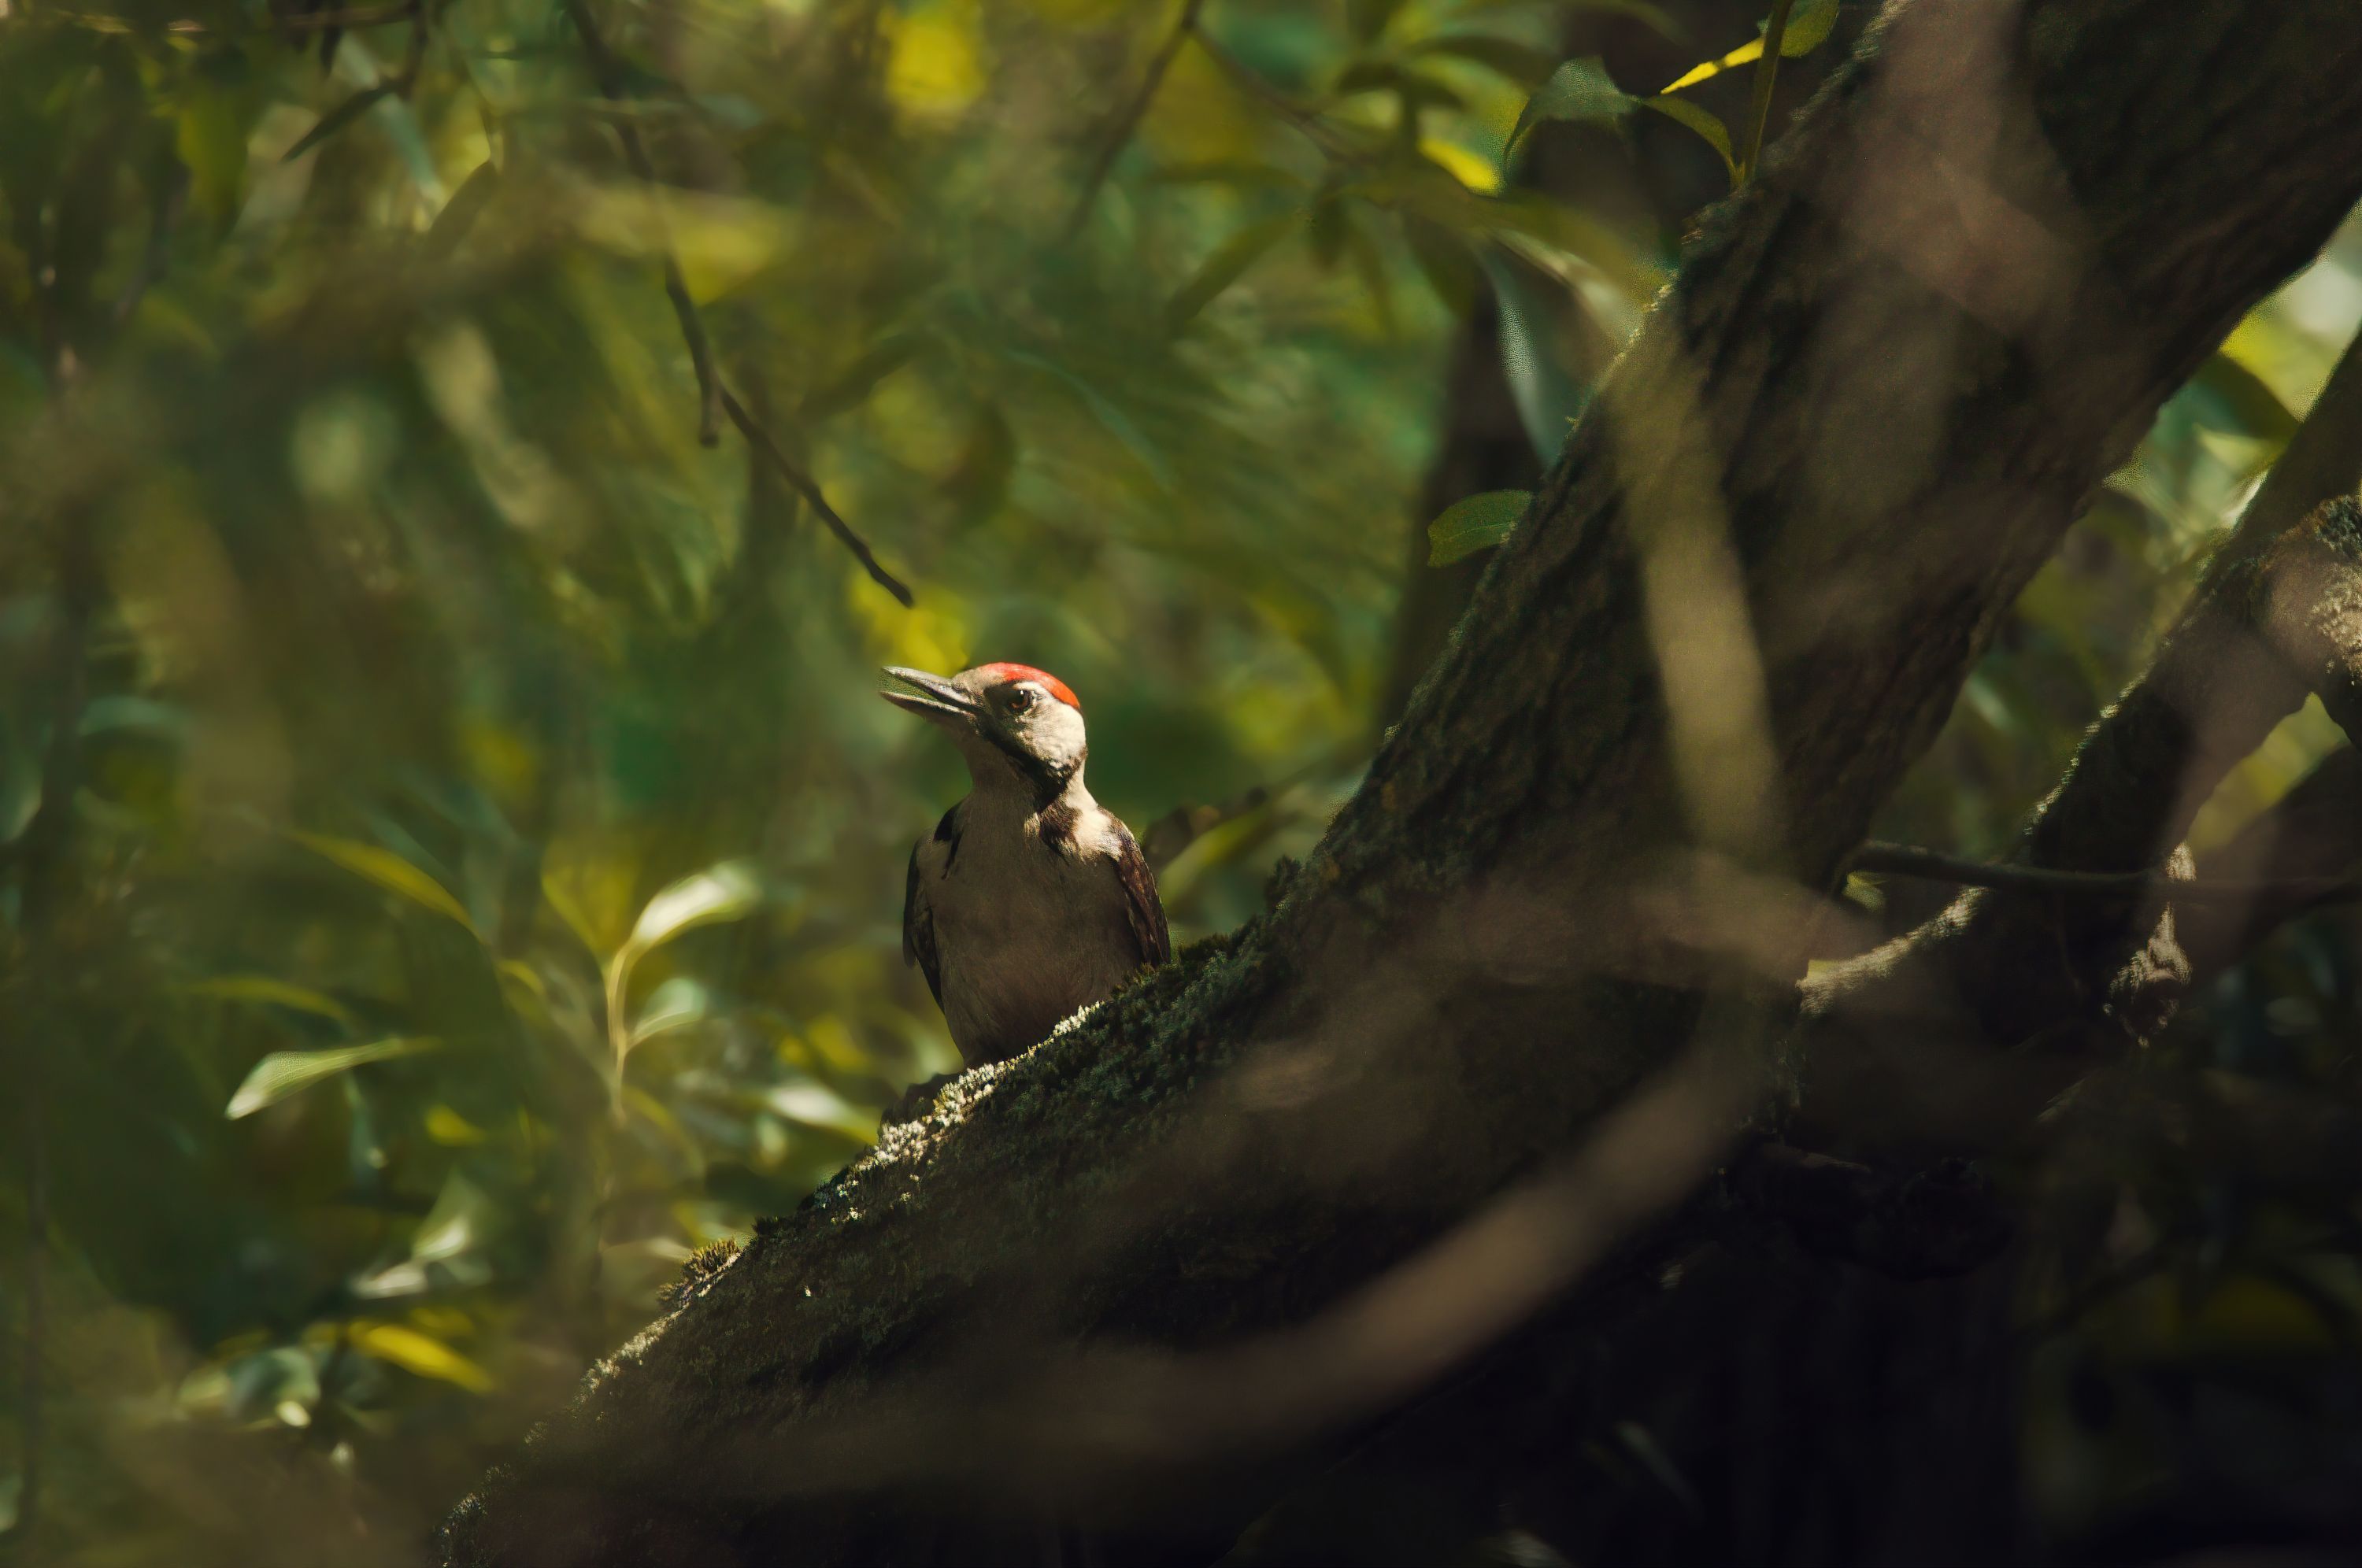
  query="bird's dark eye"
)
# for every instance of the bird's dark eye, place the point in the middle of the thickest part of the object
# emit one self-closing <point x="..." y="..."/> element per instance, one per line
<point x="1020" y="700"/>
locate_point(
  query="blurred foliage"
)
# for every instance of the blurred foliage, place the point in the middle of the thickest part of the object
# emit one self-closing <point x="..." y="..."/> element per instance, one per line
<point x="453" y="853"/>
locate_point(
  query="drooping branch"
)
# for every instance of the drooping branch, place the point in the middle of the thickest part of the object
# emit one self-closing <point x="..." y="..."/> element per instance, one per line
<point x="714" y="401"/>
<point x="1893" y="368"/>
<point x="767" y="447"/>
<point x="607" y="72"/>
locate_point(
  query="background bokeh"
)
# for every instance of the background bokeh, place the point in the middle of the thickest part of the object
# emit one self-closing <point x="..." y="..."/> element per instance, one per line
<point x="450" y="853"/>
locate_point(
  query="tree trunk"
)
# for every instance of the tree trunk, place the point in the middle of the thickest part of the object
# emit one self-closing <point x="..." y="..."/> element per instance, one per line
<point x="1511" y="1011"/>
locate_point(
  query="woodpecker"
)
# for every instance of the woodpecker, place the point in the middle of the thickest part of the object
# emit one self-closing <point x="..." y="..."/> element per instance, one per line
<point x="1031" y="901"/>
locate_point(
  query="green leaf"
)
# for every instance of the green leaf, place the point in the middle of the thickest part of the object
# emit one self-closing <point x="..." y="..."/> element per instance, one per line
<point x="727" y="891"/>
<point x="1226" y="266"/>
<point x="336" y="119"/>
<point x="285" y="1073"/>
<point x="1809" y="25"/>
<point x="278" y="993"/>
<point x="1578" y="90"/>
<point x="389" y="871"/>
<point x="461" y="213"/>
<point x="1702" y="121"/>
<point x="1477" y="523"/>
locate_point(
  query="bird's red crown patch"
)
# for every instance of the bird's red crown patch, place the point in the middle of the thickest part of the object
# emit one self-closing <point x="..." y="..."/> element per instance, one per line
<point x="1004" y="673"/>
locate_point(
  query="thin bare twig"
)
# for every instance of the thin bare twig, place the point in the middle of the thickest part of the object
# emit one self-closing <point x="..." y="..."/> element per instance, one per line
<point x="801" y="483"/>
<point x="714" y="400"/>
<point x="1927" y="865"/>
<point x="1121" y="134"/>
<point x="608" y="74"/>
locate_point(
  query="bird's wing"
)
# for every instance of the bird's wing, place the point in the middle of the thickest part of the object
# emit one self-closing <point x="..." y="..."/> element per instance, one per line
<point x="919" y="930"/>
<point x="1141" y="907"/>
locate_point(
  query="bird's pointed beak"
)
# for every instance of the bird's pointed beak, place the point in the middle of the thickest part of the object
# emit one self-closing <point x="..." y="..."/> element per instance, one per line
<point x="930" y="697"/>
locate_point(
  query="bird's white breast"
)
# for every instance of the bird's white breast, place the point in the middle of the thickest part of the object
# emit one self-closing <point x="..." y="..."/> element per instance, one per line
<point x="1030" y="928"/>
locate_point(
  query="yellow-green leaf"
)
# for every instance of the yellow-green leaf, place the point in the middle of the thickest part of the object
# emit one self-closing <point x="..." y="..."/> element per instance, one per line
<point x="414" y="1351"/>
<point x="285" y="1073"/>
<point x="727" y="891"/>
<point x="1472" y="170"/>
<point x="1752" y="49"/>
<point x="389" y="871"/>
<point x="1809" y="25"/>
<point x="1477" y="523"/>
<point x="451" y="1129"/>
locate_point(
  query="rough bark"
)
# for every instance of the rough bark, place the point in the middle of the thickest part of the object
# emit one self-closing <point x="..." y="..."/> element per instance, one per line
<point x="1125" y="1275"/>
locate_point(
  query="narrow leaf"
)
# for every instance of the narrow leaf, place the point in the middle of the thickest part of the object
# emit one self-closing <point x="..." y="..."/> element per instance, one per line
<point x="1809" y="25"/>
<point x="263" y="989"/>
<point x="1578" y="90"/>
<point x="1110" y="417"/>
<point x="676" y="1004"/>
<point x="414" y="1351"/>
<point x="1702" y="121"/>
<point x="1476" y="173"/>
<point x="1226" y="266"/>
<point x="1477" y="523"/>
<point x="727" y="891"/>
<point x="389" y="871"/>
<point x="285" y="1073"/>
<point x="336" y="119"/>
<point x="460" y="214"/>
